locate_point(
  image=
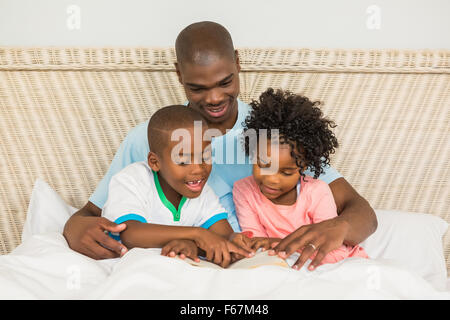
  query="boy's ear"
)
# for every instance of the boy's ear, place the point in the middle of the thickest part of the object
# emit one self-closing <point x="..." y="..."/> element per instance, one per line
<point x="177" y="69"/>
<point x="153" y="161"/>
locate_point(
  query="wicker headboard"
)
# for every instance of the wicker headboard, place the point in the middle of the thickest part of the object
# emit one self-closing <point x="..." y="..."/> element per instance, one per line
<point x="64" y="112"/>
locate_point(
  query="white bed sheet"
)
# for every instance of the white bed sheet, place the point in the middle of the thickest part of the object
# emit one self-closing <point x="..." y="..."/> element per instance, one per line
<point x="44" y="267"/>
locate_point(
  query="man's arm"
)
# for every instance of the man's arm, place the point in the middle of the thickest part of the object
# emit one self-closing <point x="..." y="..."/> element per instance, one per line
<point x="353" y="209"/>
<point x="85" y="233"/>
<point x="85" y="230"/>
<point x="356" y="221"/>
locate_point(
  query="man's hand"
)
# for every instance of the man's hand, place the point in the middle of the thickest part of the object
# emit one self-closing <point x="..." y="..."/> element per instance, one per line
<point x="320" y="238"/>
<point x="217" y="248"/>
<point x="86" y="235"/>
<point x="183" y="248"/>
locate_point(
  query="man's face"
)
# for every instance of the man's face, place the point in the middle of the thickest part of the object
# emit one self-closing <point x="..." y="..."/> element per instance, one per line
<point x="212" y="88"/>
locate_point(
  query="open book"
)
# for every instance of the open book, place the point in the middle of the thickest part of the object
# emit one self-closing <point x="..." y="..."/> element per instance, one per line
<point x="261" y="258"/>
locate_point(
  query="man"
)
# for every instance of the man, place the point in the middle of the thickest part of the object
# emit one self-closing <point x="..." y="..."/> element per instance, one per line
<point x="208" y="68"/>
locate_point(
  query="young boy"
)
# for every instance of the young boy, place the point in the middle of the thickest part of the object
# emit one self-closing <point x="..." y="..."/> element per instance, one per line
<point x="165" y="202"/>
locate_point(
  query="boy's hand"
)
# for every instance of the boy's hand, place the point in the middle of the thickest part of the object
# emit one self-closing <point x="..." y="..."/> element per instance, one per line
<point x="217" y="248"/>
<point x="183" y="248"/>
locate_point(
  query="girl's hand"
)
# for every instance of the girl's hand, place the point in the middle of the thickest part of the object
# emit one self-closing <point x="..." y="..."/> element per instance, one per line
<point x="264" y="243"/>
<point x="183" y="248"/>
<point x="218" y="249"/>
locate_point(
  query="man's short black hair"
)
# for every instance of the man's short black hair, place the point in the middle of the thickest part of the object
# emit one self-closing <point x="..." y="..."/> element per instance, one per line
<point x="202" y="41"/>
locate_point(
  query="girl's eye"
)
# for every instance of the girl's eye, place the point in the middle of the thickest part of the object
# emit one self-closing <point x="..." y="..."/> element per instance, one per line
<point x="207" y="158"/>
<point x="263" y="164"/>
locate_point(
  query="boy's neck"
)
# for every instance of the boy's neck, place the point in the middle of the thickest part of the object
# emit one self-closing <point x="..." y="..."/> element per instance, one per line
<point x="171" y="194"/>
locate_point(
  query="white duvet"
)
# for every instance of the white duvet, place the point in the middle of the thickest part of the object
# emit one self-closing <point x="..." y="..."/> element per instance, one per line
<point x="44" y="267"/>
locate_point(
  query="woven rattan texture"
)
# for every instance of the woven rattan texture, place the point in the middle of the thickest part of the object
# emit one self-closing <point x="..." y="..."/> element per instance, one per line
<point x="65" y="111"/>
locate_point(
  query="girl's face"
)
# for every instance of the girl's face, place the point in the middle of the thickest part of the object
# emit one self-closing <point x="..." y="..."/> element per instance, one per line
<point x="279" y="187"/>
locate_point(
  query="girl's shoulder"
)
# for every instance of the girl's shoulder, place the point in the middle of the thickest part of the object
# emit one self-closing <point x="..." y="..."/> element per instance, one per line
<point x="311" y="185"/>
<point x="245" y="184"/>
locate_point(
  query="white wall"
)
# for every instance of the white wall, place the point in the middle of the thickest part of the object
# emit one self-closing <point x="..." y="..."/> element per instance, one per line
<point x="403" y="24"/>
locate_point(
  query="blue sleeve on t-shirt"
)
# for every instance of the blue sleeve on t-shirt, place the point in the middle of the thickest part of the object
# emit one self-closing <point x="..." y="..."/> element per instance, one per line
<point x="133" y="149"/>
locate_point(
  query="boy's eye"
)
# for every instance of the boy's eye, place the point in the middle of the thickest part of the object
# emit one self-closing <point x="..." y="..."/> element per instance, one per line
<point x="182" y="161"/>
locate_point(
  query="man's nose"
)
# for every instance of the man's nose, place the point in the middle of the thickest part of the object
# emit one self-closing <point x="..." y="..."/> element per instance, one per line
<point x="214" y="97"/>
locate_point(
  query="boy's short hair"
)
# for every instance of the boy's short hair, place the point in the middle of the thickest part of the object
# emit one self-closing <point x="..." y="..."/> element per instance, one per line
<point x="166" y="120"/>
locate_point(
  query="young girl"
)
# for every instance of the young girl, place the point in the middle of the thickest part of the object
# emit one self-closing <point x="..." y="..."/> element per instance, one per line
<point x="270" y="206"/>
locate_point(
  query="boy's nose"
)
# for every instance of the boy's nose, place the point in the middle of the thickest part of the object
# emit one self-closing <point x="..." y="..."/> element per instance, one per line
<point x="199" y="169"/>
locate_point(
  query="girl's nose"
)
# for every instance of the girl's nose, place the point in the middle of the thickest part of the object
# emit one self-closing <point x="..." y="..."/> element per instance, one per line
<point x="271" y="179"/>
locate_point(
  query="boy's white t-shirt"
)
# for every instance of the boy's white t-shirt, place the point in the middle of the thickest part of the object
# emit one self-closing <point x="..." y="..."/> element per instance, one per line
<point x="135" y="194"/>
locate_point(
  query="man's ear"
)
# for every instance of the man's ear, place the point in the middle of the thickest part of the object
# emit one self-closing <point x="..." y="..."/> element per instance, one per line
<point x="153" y="161"/>
<point x="177" y="69"/>
<point x="238" y="64"/>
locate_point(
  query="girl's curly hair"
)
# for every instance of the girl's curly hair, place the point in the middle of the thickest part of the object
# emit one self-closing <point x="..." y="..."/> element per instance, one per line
<point x="301" y="124"/>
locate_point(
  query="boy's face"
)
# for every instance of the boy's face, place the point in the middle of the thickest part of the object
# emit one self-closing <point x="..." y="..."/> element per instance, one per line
<point x="181" y="166"/>
<point x="212" y="88"/>
<point x="274" y="186"/>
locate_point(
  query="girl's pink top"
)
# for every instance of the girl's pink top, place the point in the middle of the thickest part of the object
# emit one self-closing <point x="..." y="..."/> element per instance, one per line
<point x="315" y="203"/>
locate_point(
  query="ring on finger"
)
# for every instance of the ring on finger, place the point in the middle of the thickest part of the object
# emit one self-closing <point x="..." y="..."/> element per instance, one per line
<point x="313" y="246"/>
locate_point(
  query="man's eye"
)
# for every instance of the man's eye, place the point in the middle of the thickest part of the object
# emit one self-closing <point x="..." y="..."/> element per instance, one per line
<point x="224" y="84"/>
<point x="196" y="89"/>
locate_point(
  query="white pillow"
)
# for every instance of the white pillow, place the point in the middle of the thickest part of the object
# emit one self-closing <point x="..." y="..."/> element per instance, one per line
<point x="414" y="240"/>
<point x="47" y="211"/>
